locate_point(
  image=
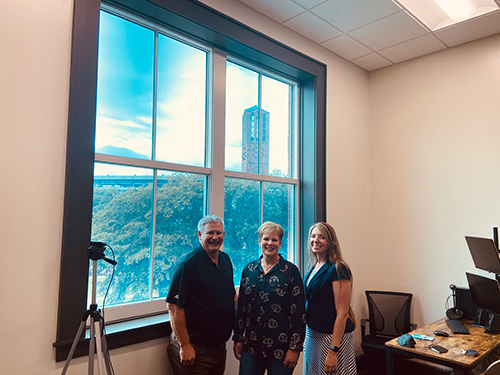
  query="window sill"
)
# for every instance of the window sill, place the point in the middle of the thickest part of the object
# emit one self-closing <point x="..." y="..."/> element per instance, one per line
<point x="121" y="334"/>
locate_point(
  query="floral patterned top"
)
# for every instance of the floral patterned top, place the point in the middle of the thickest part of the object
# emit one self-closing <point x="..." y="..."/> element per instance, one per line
<point x="270" y="318"/>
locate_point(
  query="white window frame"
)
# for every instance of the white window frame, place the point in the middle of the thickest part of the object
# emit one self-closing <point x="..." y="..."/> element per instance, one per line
<point x="215" y="153"/>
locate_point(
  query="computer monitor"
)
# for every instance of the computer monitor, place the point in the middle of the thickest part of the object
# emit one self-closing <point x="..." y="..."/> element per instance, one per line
<point x="486" y="295"/>
<point x="484" y="253"/>
<point x="464" y="302"/>
<point x="485" y="292"/>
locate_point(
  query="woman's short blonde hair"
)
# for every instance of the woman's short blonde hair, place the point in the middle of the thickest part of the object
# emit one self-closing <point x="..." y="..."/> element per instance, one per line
<point x="270" y="227"/>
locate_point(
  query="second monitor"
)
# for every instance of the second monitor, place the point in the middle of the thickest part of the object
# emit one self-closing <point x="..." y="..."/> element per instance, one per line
<point x="484" y="253"/>
<point x="486" y="295"/>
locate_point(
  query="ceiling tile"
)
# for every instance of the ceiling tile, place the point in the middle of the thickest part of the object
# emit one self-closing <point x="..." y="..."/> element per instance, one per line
<point x="413" y="48"/>
<point x="346" y="47"/>
<point x="348" y="15"/>
<point x="312" y="27"/>
<point x="473" y="29"/>
<point x="389" y="31"/>
<point x="371" y="33"/>
<point x="279" y="10"/>
<point x="308" y="4"/>
<point x="371" y="62"/>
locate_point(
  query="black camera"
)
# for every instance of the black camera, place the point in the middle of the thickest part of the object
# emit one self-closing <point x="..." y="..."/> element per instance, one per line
<point x="96" y="252"/>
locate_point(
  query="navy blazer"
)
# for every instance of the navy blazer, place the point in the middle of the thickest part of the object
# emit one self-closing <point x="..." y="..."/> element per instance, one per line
<point x="320" y="305"/>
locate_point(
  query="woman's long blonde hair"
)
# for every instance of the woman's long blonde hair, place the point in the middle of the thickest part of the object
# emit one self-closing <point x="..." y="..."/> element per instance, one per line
<point x="334" y="254"/>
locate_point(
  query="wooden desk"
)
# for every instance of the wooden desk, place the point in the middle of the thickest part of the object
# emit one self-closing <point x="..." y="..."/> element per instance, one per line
<point x="483" y="343"/>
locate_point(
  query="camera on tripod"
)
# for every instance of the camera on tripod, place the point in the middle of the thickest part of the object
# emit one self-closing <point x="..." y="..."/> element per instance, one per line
<point x="97" y="342"/>
<point x="96" y="252"/>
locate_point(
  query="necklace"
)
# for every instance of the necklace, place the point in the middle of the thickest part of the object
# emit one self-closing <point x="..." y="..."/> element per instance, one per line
<point x="266" y="267"/>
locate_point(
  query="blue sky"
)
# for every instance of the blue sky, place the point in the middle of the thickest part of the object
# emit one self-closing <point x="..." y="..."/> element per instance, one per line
<point x="125" y="98"/>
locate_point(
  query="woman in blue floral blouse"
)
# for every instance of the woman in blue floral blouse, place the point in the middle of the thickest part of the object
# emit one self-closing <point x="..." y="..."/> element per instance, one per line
<point x="270" y="318"/>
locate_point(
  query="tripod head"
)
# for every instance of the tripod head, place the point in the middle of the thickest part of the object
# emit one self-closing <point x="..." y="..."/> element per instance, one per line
<point x="96" y="252"/>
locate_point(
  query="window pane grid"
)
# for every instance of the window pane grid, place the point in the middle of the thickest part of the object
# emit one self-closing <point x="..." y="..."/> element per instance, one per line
<point x="147" y="217"/>
<point x="261" y="188"/>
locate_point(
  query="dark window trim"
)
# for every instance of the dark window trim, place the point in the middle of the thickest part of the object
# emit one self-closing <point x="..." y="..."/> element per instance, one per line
<point x="204" y="24"/>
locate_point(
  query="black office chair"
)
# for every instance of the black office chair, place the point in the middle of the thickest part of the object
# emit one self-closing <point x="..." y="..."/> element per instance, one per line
<point x="389" y="317"/>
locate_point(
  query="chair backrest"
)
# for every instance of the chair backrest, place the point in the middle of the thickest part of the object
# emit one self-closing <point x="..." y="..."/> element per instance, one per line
<point x="493" y="369"/>
<point x="389" y="313"/>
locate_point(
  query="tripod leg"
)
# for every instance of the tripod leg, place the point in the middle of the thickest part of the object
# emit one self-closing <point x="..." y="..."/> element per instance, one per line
<point x="73" y="347"/>
<point x="107" y="358"/>
<point x="91" y="348"/>
<point x="100" y="358"/>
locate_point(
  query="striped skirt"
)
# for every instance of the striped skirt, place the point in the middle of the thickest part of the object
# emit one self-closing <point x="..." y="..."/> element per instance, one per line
<point x="316" y="347"/>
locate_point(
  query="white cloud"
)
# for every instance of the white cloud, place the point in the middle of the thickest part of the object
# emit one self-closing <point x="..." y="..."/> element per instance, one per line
<point x="127" y="134"/>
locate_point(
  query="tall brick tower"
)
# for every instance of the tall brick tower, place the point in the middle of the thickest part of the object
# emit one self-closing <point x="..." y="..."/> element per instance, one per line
<point x="250" y="141"/>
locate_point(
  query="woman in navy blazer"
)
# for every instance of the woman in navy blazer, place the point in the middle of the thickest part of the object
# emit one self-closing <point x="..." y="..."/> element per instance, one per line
<point x="328" y="346"/>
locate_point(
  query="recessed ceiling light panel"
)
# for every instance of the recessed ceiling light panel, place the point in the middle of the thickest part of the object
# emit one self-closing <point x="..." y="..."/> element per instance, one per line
<point x="456" y="9"/>
<point x="437" y="14"/>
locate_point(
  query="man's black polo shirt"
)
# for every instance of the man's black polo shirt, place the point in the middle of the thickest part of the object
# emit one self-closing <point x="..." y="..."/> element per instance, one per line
<point x="206" y="293"/>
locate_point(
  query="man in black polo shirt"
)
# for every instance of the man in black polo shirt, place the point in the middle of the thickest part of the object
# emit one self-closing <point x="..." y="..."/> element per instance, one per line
<point x="201" y="303"/>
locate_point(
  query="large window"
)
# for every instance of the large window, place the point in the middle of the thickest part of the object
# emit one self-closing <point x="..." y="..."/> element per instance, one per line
<point x="154" y="95"/>
<point x="177" y="111"/>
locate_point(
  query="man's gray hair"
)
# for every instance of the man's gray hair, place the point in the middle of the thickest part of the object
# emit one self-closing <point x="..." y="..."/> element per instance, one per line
<point x="209" y="219"/>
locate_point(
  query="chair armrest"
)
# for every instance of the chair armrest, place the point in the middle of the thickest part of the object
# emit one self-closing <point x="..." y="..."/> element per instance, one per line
<point x="363" y="326"/>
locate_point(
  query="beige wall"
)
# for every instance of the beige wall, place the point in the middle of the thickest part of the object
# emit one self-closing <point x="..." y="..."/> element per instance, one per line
<point x="435" y="171"/>
<point x="411" y="157"/>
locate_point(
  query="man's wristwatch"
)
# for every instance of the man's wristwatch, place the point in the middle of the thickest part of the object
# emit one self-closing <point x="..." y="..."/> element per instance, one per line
<point x="334" y="348"/>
